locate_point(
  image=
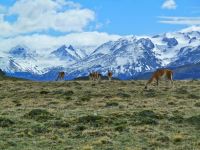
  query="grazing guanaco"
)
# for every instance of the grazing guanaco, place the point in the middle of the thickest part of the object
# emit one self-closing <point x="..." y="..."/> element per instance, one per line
<point x="95" y="76"/>
<point x="110" y="75"/>
<point x="161" y="74"/>
<point x="91" y="77"/>
<point x="61" y="76"/>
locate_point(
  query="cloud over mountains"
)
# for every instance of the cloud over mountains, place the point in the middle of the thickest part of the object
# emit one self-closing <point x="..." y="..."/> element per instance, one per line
<point x="47" y="24"/>
<point x="37" y="16"/>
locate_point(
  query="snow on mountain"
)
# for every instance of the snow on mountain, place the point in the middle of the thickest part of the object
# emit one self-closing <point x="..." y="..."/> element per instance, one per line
<point x="168" y="45"/>
<point x="22" y="59"/>
<point x="126" y="57"/>
<point x="191" y="28"/>
<point x="26" y="59"/>
<point x="69" y="54"/>
<point x="172" y="47"/>
<point x="187" y="55"/>
<point x="22" y="52"/>
<point x="131" y="55"/>
<point x="9" y="65"/>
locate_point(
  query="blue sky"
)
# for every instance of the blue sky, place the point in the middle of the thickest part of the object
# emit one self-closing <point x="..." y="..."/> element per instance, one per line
<point x="91" y="22"/>
<point x="139" y="16"/>
<point x="132" y="16"/>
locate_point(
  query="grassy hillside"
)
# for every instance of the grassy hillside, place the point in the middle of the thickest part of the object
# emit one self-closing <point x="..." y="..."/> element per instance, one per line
<point x="86" y="115"/>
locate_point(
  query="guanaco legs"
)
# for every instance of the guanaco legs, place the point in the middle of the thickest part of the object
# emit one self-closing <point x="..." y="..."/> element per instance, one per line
<point x="110" y="75"/>
<point x="95" y="76"/>
<point x="159" y="75"/>
<point x="91" y="76"/>
<point x="61" y="76"/>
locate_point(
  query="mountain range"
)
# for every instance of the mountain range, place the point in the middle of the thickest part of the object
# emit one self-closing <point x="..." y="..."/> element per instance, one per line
<point x="130" y="57"/>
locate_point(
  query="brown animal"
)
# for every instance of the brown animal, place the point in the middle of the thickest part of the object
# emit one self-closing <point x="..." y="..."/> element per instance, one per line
<point x="110" y="75"/>
<point x="97" y="76"/>
<point x="161" y="74"/>
<point x="91" y="76"/>
<point x="94" y="76"/>
<point x="61" y="76"/>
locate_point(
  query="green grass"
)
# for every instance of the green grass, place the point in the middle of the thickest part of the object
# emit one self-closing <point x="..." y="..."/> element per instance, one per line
<point x="93" y="116"/>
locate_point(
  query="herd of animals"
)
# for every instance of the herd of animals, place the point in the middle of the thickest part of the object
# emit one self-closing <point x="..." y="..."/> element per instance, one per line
<point x="160" y="74"/>
<point x="97" y="76"/>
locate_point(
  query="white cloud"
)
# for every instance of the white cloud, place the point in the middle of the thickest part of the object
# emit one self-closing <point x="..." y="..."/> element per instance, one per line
<point x="191" y="28"/>
<point x="169" y="4"/>
<point x="45" y="43"/>
<point x="43" y="15"/>
<point x="32" y="17"/>
<point x="180" y="20"/>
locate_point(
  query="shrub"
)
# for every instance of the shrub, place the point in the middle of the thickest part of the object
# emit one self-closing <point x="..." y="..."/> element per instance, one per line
<point x="40" y="128"/>
<point x="44" y="92"/>
<point x="64" y="93"/>
<point x="111" y="104"/>
<point x="182" y="90"/>
<point x="92" y="120"/>
<point x="60" y="123"/>
<point x="85" y="98"/>
<point x="68" y="93"/>
<point x="150" y="93"/>
<point x="178" y="138"/>
<point x="120" y="128"/>
<point x="39" y="115"/>
<point x="194" y="120"/>
<point x="177" y="119"/>
<point x="5" y="122"/>
<point x="80" y="128"/>
<point x="193" y="96"/>
<point x="123" y="95"/>
<point x="197" y="104"/>
<point x="145" y="117"/>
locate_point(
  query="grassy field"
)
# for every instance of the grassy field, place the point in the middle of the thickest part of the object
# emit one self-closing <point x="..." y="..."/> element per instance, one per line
<point x="86" y="115"/>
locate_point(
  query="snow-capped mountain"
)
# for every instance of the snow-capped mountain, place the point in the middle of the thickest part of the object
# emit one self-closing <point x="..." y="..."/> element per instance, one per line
<point x="9" y="65"/>
<point x="169" y="47"/>
<point x="126" y="57"/>
<point x="187" y="55"/>
<point x="20" y="59"/>
<point x="129" y="56"/>
<point x="22" y="52"/>
<point x="69" y="54"/>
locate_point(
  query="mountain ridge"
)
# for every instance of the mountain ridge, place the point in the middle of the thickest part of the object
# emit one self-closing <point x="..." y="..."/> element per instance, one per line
<point x="127" y="57"/>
